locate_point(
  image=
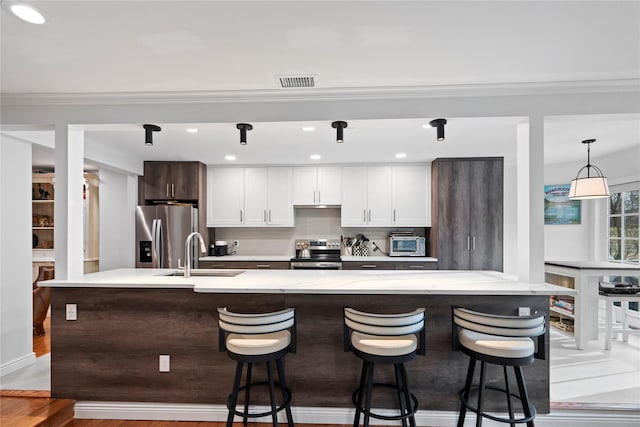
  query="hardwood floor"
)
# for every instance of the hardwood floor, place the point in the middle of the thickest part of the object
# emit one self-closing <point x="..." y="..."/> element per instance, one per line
<point x="122" y="423"/>
<point x="42" y="343"/>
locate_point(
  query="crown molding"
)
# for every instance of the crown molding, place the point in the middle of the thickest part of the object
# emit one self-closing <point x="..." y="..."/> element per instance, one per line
<point x="323" y="94"/>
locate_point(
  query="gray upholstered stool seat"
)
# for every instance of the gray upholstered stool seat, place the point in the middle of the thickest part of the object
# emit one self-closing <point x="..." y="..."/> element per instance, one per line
<point x="252" y="338"/>
<point x="499" y="340"/>
<point x="386" y="339"/>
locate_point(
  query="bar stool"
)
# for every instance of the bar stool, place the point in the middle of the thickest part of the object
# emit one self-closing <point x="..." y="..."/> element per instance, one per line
<point x="499" y="340"/>
<point x="387" y="339"/>
<point x="256" y="338"/>
<point x="625" y="330"/>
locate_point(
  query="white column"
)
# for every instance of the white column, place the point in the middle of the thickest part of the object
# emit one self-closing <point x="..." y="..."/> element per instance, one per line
<point x="118" y="199"/>
<point x="530" y="199"/>
<point x="68" y="233"/>
<point x="15" y="255"/>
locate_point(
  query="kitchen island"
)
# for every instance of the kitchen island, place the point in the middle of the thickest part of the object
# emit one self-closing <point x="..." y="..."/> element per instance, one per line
<point x="127" y="318"/>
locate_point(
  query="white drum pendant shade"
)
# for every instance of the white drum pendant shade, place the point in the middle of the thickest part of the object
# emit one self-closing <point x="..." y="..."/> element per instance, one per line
<point x="589" y="188"/>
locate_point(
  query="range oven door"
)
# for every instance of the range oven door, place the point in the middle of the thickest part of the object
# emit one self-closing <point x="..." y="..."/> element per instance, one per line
<point x="315" y="265"/>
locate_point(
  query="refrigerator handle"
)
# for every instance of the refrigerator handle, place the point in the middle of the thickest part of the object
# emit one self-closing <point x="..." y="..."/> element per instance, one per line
<point x="156" y="249"/>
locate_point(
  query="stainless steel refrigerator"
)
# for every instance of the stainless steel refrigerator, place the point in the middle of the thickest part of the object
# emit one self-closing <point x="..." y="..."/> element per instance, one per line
<point x="161" y="232"/>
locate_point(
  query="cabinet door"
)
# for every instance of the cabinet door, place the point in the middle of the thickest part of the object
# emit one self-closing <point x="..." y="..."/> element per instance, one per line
<point x="304" y="185"/>
<point x="454" y="240"/>
<point x="329" y="185"/>
<point x="225" y="189"/>
<point x="411" y="196"/>
<point x="486" y="219"/>
<point x="279" y="206"/>
<point x="255" y="196"/>
<point x="354" y="196"/>
<point x="184" y="181"/>
<point x="157" y="180"/>
<point x="379" y="196"/>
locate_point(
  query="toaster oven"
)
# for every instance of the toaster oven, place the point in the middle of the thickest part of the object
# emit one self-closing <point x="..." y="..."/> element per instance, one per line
<point x="407" y="246"/>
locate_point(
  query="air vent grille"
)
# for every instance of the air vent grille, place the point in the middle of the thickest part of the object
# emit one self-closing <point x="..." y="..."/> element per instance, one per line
<point x="296" y="82"/>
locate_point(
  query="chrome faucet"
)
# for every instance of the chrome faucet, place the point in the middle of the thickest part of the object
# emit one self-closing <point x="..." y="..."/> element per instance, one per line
<point x="187" y="252"/>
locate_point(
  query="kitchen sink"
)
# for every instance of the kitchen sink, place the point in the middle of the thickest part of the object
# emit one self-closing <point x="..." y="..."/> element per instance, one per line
<point x="203" y="272"/>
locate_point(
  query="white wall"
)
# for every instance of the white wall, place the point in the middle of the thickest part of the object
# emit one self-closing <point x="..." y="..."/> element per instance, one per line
<point x="15" y="255"/>
<point x="118" y="198"/>
<point x="586" y="242"/>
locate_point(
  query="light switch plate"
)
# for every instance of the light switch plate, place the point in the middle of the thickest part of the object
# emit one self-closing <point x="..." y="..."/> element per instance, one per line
<point x="524" y="311"/>
<point x="72" y="311"/>
<point x="165" y="363"/>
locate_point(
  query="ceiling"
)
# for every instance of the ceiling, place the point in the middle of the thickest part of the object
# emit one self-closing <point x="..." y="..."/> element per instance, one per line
<point x="150" y="47"/>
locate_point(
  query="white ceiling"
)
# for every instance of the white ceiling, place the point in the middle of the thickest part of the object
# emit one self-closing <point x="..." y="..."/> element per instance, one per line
<point x="126" y="47"/>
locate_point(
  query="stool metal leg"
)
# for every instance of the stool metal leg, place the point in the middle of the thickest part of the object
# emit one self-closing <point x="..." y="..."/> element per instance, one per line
<point x="400" y="390"/>
<point x="467" y="388"/>
<point x="234" y="393"/>
<point x="247" y="393"/>
<point x="524" y="397"/>
<point x="480" y="395"/>
<point x="367" y="407"/>
<point x="407" y="396"/>
<point x="508" y="389"/>
<point x="283" y="387"/>
<point x="272" y="395"/>
<point x="363" y="377"/>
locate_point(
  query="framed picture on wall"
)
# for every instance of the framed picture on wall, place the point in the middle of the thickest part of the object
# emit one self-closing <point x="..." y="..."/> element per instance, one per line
<point x="558" y="209"/>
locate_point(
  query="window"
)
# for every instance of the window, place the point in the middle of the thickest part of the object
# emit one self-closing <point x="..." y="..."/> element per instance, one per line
<point x="624" y="217"/>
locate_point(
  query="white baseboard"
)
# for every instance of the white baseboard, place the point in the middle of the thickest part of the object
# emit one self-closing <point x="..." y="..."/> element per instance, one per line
<point x="18" y="363"/>
<point x="309" y="415"/>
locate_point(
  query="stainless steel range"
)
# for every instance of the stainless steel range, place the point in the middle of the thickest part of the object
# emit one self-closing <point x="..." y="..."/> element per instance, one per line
<point x="319" y="254"/>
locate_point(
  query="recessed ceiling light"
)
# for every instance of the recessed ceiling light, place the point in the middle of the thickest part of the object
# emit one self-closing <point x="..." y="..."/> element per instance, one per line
<point x="229" y="157"/>
<point x="308" y="128"/>
<point x="426" y="126"/>
<point x="27" y="13"/>
<point x="315" y="157"/>
<point x="192" y="130"/>
<point x="401" y="155"/>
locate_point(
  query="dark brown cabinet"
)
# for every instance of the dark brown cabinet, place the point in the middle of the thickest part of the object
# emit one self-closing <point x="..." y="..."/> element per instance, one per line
<point x="467" y="212"/>
<point x="180" y="181"/>
<point x="389" y="265"/>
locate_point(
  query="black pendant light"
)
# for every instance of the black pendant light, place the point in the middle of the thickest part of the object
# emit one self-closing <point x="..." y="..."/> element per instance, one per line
<point x="148" y="133"/>
<point x="338" y="126"/>
<point x="439" y="125"/>
<point x="244" y="127"/>
<point x="592" y="186"/>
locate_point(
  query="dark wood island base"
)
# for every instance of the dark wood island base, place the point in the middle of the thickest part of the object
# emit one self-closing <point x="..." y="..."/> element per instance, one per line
<point x="111" y="352"/>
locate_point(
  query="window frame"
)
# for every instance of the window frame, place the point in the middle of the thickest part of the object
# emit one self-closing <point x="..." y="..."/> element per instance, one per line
<point x="623" y="215"/>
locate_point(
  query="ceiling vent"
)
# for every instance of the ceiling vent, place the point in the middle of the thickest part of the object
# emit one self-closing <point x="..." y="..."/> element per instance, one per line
<point x="296" y="81"/>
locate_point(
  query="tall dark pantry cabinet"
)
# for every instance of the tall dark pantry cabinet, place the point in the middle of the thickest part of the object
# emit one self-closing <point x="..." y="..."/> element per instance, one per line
<point x="467" y="213"/>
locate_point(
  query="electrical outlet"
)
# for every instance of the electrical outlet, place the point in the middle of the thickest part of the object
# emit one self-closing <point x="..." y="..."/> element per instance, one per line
<point x="524" y="311"/>
<point x="72" y="311"/>
<point x="165" y="363"/>
<point x="236" y="243"/>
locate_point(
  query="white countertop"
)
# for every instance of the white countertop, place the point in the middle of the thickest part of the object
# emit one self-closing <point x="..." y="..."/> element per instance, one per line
<point x="384" y="258"/>
<point x="595" y="265"/>
<point x="437" y="282"/>
<point x="345" y="258"/>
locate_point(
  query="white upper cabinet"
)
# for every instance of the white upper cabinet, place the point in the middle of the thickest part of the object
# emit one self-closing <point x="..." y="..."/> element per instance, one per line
<point x="252" y="197"/>
<point x="279" y="206"/>
<point x="225" y="197"/>
<point x="411" y="196"/>
<point x="317" y="185"/>
<point x="366" y="196"/>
